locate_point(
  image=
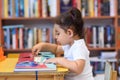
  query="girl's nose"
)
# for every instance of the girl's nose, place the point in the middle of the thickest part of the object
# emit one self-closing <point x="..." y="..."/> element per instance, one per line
<point x="56" y="36"/>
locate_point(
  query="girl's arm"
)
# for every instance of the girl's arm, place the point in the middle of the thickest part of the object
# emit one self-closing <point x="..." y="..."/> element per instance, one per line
<point x="76" y="66"/>
<point x="56" y="49"/>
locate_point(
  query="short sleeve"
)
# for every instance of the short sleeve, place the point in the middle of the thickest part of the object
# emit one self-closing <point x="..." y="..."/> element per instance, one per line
<point x="80" y="53"/>
<point x="66" y="47"/>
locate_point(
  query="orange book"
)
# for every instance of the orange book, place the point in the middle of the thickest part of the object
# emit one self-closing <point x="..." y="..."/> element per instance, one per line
<point x="99" y="7"/>
<point x="40" y="7"/>
<point x="2" y="57"/>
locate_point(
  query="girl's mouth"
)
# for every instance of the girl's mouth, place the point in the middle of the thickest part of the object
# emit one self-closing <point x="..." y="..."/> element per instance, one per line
<point x="58" y="43"/>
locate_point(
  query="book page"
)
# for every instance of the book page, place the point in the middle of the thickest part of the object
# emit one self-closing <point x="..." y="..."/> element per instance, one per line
<point x="108" y="70"/>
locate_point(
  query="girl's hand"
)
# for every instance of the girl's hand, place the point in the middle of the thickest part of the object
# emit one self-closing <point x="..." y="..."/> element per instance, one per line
<point x="37" y="48"/>
<point x="53" y="60"/>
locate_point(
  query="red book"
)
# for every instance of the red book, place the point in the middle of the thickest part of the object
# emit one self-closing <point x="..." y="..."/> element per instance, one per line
<point x="99" y="7"/>
<point x="25" y="57"/>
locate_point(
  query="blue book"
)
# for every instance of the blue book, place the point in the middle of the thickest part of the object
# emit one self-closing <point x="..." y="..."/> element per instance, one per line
<point x="109" y="36"/>
<point x="17" y="8"/>
<point x="7" y="38"/>
<point x="21" y="8"/>
<point x="10" y="8"/>
<point x="65" y="5"/>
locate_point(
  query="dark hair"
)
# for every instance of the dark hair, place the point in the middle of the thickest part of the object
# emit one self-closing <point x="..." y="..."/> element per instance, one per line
<point x="71" y="19"/>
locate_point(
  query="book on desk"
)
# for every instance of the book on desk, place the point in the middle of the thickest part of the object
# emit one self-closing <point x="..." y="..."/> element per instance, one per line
<point x="27" y="62"/>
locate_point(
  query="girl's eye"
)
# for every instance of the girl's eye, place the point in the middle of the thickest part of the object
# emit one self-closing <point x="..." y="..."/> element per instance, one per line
<point x="57" y="33"/>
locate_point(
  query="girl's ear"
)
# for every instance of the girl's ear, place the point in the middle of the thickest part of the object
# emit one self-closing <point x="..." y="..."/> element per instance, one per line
<point x="70" y="32"/>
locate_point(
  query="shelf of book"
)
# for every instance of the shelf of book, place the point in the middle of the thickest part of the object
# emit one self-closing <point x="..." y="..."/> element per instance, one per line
<point x="60" y="6"/>
<point x="17" y="50"/>
<point x="33" y="18"/>
<point x="100" y="17"/>
<point x="107" y="49"/>
<point x="96" y="59"/>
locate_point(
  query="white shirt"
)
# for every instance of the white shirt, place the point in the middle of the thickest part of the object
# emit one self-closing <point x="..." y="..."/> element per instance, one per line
<point x="78" y="51"/>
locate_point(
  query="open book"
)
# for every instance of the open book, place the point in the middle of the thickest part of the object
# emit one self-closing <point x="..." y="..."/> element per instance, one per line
<point x="27" y="62"/>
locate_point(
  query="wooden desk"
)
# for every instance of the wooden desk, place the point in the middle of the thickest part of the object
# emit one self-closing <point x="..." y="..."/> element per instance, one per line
<point x="32" y="76"/>
<point x="7" y="72"/>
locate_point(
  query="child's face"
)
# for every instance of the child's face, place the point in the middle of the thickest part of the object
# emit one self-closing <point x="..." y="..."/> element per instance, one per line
<point x="61" y="36"/>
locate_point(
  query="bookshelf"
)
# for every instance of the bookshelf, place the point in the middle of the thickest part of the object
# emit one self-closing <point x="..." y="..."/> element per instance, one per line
<point x="31" y="19"/>
<point x="99" y="17"/>
<point x="88" y="18"/>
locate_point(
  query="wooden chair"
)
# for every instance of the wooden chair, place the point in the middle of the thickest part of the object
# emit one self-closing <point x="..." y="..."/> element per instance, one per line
<point x="110" y="74"/>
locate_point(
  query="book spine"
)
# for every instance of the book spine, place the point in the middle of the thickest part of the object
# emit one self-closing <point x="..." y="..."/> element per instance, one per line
<point x="21" y="8"/>
<point x="10" y="8"/>
<point x="43" y="34"/>
<point x="36" y="8"/>
<point x="99" y="7"/>
<point x="25" y="37"/>
<point x="44" y="8"/>
<point x="112" y="7"/>
<point x="83" y="7"/>
<point x="40" y="35"/>
<point x="32" y="8"/>
<point x="21" y="38"/>
<point x="91" y="7"/>
<point x="40" y="7"/>
<point x="26" y="8"/>
<point x="52" y="8"/>
<point x="94" y="36"/>
<point x="8" y="38"/>
<point x="101" y="36"/>
<point x="13" y="8"/>
<point x="30" y="38"/>
<point x="35" y="35"/>
<point x="5" y="8"/>
<point x="14" y="38"/>
<point x="109" y="37"/>
<point x="74" y="3"/>
<point x="96" y="8"/>
<point x="17" y="8"/>
<point x="65" y="5"/>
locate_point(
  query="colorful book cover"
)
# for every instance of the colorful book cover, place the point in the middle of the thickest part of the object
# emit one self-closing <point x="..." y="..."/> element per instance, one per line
<point x="27" y="62"/>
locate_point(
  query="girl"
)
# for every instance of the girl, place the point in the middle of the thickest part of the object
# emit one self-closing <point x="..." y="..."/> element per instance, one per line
<point x="68" y="29"/>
